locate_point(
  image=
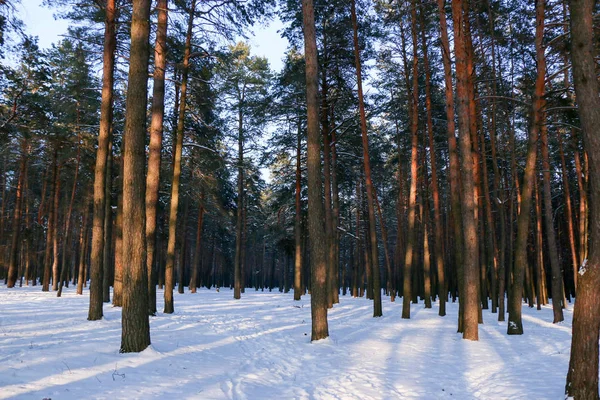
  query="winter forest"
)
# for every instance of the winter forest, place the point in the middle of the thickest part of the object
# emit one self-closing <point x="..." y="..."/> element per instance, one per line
<point x="180" y="220"/>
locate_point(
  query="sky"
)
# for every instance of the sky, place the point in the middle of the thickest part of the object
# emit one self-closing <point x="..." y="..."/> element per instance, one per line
<point x="40" y="22"/>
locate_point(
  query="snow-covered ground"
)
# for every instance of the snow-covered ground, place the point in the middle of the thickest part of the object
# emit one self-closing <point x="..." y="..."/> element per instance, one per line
<point x="259" y="347"/>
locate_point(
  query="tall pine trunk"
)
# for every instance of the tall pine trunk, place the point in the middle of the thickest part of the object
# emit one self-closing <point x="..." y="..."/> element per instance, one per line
<point x="298" y="219"/>
<point x="582" y="378"/>
<point x="106" y="114"/>
<point x="410" y="252"/>
<point x="470" y="284"/>
<point x="515" y="324"/>
<point x="174" y="205"/>
<point x="377" y="311"/>
<point x="135" y="335"/>
<point x="16" y="229"/>
<point x="318" y="255"/>
<point x="156" y="132"/>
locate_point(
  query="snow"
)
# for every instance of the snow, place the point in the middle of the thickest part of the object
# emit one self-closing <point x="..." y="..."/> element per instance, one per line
<point x="583" y="268"/>
<point x="215" y="347"/>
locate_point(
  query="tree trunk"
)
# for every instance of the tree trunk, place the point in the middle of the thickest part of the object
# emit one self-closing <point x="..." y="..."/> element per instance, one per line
<point x="437" y="215"/>
<point x="67" y="232"/>
<point x="582" y="378"/>
<point x="118" y="278"/>
<point x="182" y="250"/>
<point x="454" y="174"/>
<point x="83" y="239"/>
<point x="470" y="285"/>
<point x="237" y="269"/>
<point x="156" y="132"/>
<point x="108" y="223"/>
<point x="557" y="275"/>
<point x="568" y="212"/>
<point x="426" y="251"/>
<point x="135" y="335"/>
<point x="414" y="165"/>
<point x="298" y="219"/>
<point x="174" y="206"/>
<point x="377" y="311"/>
<point x="388" y="262"/>
<point x="515" y="324"/>
<point x="55" y="243"/>
<point x="198" y="249"/>
<point x="318" y="255"/>
<point x="106" y="113"/>
<point x="16" y="228"/>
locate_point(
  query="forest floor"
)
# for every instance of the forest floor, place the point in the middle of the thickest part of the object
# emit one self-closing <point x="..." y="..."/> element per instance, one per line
<point x="215" y="347"/>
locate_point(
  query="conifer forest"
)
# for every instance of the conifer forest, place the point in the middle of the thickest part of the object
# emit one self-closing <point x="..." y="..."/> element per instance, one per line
<point x="408" y="208"/>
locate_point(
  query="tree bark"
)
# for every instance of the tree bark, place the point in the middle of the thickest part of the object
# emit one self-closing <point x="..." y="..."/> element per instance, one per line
<point x="557" y="274"/>
<point x="135" y="335"/>
<point x="377" y="311"/>
<point x="515" y="324"/>
<point x="414" y="165"/>
<point x="16" y="228"/>
<point x="108" y="223"/>
<point x="118" y="278"/>
<point x="318" y="255"/>
<point x="582" y="378"/>
<point x="67" y="231"/>
<point x="156" y="132"/>
<point x="83" y="239"/>
<point x="298" y="218"/>
<point x="174" y="206"/>
<point x="470" y="285"/>
<point x="239" y="223"/>
<point x="435" y="191"/>
<point x="568" y="211"/>
<point x="55" y="240"/>
<point x="106" y="113"/>
<point x="198" y="249"/>
<point x="454" y="174"/>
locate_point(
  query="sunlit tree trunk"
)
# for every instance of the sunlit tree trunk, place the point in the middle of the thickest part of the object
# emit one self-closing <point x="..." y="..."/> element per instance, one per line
<point x="55" y="240"/>
<point x="156" y="132"/>
<point x="174" y="205"/>
<point x="135" y="335"/>
<point x="318" y="255"/>
<point x="118" y="275"/>
<point x="106" y="113"/>
<point x="582" y="378"/>
<point x="108" y="223"/>
<point x="410" y="251"/>
<point x="470" y="293"/>
<point x="16" y="229"/>
<point x="298" y="219"/>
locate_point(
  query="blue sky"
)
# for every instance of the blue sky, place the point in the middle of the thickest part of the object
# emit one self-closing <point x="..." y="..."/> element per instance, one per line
<point x="40" y="22"/>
